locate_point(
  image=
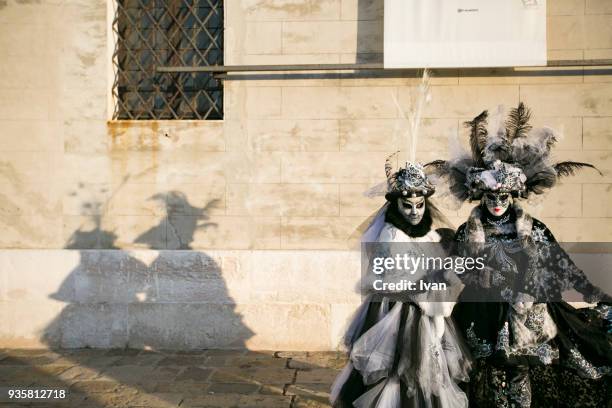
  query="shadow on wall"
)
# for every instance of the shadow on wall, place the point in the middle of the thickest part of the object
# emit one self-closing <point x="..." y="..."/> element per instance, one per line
<point x="370" y="31"/>
<point x="142" y="300"/>
<point x="119" y="298"/>
<point x="180" y="223"/>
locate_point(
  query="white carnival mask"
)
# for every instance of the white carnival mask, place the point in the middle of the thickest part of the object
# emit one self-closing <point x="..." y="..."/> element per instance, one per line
<point x="412" y="208"/>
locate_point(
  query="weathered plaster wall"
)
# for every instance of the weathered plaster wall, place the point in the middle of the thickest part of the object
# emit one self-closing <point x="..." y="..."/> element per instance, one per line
<point x="274" y="189"/>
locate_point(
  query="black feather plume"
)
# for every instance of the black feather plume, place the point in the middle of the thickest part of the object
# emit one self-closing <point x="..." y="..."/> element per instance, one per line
<point x="541" y="181"/>
<point x="517" y="124"/>
<point x="569" y="168"/>
<point x="478" y="136"/>
<point x="439" y="166"/>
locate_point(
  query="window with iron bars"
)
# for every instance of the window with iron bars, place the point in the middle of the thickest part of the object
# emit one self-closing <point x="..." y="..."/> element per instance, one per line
<point x="151" y="33"/>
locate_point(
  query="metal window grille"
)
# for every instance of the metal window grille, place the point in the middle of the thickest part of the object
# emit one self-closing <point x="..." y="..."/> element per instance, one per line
<point x="153" y="33"/>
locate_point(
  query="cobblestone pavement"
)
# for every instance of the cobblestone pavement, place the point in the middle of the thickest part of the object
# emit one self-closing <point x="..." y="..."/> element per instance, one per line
<point x="137" y="378"/>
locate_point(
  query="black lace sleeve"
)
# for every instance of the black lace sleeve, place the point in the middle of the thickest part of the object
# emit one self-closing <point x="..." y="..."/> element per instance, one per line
<point x="558" y="262"/>
<point x="459" y="249"/>
<point x="460" y="234"/>
<point x="447" y="239"/>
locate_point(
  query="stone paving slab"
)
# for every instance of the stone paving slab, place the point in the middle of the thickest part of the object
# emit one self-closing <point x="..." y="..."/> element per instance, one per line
<point x="147" y="359"/>
<point x="164" y="373"/>
<point x="13" y="361"/>
<point x="111" y="399"/>
<point x="316" y="376"/>
<point x="195" y="374"/>
<point x="157" y="400"/>
<point x="316" y="390"/>
<point x="94" y="387"/>
<point x="183" y="360"/>
<point x="27" y="352"/>
<point x="247" y="362"/>
<point x="238" y="401"/>
<point x="309" y="395"/>
<point x="102" y="361"/>
<point x="304" y="402"/>
<point x="127" y="374"/>
<point x="75" y="401"/>
<point x="79" y="373"/>
<point x="233" y="388"/>
<point x="273" y="389"/>
<point x="164" y="378"/>
<point x="253" y="375"/>
<point x="334" y="360"/>
<point x="185" y="388"/>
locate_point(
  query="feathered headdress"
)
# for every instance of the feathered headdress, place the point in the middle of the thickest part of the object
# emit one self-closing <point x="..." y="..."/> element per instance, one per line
<point x="512" y="157"/>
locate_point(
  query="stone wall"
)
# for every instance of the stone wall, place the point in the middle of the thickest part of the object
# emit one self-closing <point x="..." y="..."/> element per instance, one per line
<point x="276" y="188"/>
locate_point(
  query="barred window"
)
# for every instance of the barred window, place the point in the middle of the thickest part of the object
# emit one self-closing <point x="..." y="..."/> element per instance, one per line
<point x="151" y="33"/>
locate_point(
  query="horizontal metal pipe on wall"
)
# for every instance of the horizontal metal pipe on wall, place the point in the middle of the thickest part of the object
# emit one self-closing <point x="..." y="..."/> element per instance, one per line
<point x="358" y="67"/>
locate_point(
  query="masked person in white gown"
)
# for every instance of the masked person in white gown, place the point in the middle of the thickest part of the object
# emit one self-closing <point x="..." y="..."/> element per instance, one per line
<point x="405" y="353"/>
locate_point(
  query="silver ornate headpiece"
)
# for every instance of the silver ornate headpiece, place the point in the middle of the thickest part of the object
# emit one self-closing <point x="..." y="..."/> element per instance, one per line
<point x="408" y="181"/>
<point x="500" y="177"/>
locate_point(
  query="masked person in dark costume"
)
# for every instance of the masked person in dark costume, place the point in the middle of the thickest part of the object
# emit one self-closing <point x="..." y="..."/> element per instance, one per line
<point x="404" y="353"/>
<point x="532" y="348"/>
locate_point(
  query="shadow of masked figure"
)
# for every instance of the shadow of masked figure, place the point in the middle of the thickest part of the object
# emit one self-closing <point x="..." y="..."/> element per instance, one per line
<point x="182" y="220"/>
<point x="173" y="299"/>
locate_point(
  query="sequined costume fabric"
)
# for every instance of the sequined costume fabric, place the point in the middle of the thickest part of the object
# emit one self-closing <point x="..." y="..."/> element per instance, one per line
<point x="525" y="350"/>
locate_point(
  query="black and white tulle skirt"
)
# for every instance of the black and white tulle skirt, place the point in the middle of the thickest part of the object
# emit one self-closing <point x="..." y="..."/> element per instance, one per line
<point x="400" y="357"/>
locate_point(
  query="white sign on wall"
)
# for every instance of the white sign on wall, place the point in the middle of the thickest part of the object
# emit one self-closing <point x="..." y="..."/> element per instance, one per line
<point x="464" y="33"/>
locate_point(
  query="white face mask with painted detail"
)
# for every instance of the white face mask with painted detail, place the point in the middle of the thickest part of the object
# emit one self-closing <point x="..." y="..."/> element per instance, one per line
<point x="497" y="203"/>
<point x="412" y="208"/>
